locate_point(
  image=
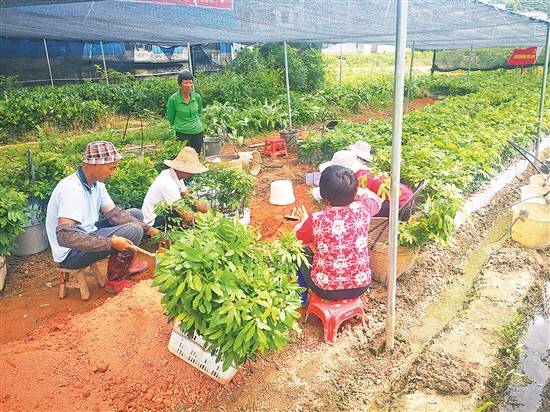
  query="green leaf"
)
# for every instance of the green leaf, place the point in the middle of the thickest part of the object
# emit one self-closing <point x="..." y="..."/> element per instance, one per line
<point x="180" y="288"/>
<point x="197" y="284"/>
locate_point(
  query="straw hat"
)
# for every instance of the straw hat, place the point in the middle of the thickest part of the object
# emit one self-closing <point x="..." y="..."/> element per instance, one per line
<point x="187" y="161"/>
<point x="344" y="158"/>
<point x="361" y="150"/>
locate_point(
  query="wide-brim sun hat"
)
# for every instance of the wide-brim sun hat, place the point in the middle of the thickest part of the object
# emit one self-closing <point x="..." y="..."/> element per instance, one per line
<point x="187" y="161"/>
<point x="345" y="158"/>
<point x="101" y="152"/>
<point x="361" y="150"/>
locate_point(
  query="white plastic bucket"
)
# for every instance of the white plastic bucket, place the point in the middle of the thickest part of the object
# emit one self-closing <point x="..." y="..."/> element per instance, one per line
<point x="281" y="193"/>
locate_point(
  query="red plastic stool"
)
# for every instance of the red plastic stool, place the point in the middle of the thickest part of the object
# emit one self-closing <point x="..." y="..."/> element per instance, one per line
<point x="275" y="146"/>
<point x="333" y="312"/>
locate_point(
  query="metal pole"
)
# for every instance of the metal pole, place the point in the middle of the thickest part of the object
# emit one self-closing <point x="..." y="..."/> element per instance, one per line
<point x="470" y="60"/>
<point x="543" y="90"/>
<point x="340" y="63"/>
<point x="397" y="129"/>
<point x="409" y="94"/>
<point x="190" y="57"/>
<point x="432" y="70"/>
<point x="104" y="64"/>
<point x="48" y="60"/>
<point x="288" y="89"/>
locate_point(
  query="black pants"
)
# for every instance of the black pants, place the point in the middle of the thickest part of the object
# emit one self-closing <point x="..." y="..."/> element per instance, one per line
<point x="193" y="140"/>
<point x="404" y="215"/>
<point x="327" y="294"/>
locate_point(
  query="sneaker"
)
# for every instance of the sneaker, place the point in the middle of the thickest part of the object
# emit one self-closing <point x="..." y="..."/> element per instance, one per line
<point x="116" y="286"/>
<point x="137" y="266"/>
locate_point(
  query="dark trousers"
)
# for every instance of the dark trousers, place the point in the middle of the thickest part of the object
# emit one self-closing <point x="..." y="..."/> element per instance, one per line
<point x="404" y="214"/>
<point x="193" y="140"/>
<point x="133" y="231"/>
<point x="323" y="293"/>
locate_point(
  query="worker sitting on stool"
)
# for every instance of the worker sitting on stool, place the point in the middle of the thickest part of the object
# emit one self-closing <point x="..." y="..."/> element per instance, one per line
<point x="76" y="236"/>
<point x="338" y="235"/>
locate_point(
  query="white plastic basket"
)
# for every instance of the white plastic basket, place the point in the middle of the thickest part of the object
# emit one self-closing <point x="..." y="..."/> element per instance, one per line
<point x="192" y="351"/>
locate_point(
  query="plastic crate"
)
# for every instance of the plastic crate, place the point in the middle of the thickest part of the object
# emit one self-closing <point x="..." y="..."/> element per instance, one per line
<point x="192" y="351"/>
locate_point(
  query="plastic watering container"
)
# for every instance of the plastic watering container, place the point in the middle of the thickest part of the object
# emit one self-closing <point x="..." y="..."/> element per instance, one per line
<point x="532" y="227"/>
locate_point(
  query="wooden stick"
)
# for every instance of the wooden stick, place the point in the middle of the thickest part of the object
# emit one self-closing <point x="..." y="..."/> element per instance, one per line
<point x="143" y="251"/>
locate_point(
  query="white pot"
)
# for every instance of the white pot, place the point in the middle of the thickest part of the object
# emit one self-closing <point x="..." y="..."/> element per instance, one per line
<point x="281" y="193"/>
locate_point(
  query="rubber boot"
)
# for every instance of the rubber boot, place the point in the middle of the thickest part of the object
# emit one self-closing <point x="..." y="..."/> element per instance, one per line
<point x="136" y="266"/>
<point x="119" y="263"/>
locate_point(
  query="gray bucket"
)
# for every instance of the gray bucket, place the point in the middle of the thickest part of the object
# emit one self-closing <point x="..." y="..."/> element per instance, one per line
<point x="212" y="146"/>
<point x="34" y="239"/>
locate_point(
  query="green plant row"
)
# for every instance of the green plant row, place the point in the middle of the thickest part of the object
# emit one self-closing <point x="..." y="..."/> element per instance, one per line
<point x="254" y="76"/>
<point x="239" y="294"/>
<point x="456" y="144"/>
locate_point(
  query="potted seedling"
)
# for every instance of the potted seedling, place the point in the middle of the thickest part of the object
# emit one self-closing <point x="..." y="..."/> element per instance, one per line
<point x="230" y="295"/>
<point x="33" y="238"/>
<point x="226" y="190"/>
<point x="177" y="216"/>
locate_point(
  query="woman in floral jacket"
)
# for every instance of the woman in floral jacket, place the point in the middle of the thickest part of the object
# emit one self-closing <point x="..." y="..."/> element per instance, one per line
<point x="338" y="236"/>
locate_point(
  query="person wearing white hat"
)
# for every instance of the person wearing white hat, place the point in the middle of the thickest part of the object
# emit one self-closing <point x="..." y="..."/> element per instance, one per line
<point x="355" y="159"/>
<point x="361" y="150"/>
<point x="169" y="185"/>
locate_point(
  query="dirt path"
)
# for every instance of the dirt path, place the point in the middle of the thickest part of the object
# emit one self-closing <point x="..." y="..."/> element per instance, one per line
<point x="115" y="358"/>
<point x="452" y="371"/>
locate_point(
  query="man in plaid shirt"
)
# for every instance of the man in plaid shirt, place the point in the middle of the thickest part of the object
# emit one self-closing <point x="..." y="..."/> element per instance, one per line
<point x="77" y="236"/>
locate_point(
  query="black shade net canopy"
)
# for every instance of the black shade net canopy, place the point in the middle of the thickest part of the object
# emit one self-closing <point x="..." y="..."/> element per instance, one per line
<point x="432" y="24"/>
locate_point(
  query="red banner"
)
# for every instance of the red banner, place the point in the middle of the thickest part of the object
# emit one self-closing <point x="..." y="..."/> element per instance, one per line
<point x="215" y="4"/>
<point x="523" y="57"/>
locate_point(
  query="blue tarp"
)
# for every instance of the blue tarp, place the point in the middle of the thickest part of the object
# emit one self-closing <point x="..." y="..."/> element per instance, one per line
<point x="432" y="24"/>
<point x="35" y="48"/>
<point x="109" y="49"/>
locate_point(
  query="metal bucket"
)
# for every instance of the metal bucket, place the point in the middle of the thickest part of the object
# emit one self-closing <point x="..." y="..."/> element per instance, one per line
<point x="289" y="135"/>
<point x="212" y="146"/>
<point x="34" y="239"/>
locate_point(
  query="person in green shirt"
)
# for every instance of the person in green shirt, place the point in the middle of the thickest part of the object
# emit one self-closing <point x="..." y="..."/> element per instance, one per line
<point x="183" y="110"/>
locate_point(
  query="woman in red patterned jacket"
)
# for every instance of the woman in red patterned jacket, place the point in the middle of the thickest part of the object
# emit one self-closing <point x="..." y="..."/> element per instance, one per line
<point x="337" y="237"/>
